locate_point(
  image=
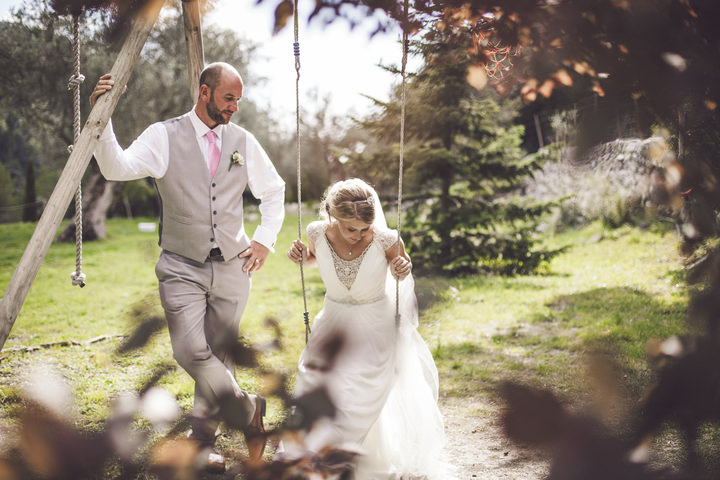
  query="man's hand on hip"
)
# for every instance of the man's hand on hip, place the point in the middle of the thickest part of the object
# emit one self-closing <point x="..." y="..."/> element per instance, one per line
<point x="256" y="254"/>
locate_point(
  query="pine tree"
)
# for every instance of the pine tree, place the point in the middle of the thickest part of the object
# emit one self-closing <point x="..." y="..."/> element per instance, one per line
<point x="464" y="165"/>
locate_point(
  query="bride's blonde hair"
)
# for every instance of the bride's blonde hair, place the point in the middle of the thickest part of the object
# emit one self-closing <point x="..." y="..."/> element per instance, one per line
<point x="351" y="199"/>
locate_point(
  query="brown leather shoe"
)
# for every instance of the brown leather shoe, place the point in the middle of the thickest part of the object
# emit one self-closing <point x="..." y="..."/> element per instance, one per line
<point x="255" y="432"/>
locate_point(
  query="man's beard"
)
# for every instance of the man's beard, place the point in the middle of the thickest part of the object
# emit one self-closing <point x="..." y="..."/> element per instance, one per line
<point x="214" y="112"/>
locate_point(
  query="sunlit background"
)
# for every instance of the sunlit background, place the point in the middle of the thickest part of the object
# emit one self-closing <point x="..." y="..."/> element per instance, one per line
<point x="337" y="61"/>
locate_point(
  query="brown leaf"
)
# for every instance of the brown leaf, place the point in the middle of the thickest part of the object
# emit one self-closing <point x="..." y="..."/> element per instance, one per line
<point x="272" y="383"/>
<point x="529" y="91"/>
<point x="524" y="36"/>
<point x="283" y="11"/>
<point x="530" y="85"/>
<point x="531" y="416"/>
<point x="7" y="472"/>
<point x="310" y="407"/>
<point x="690" y="10"/>
<point x="142" y="334"/>
<point x="563" y="78"/>
<point x="583" y="68"/>
<point x="623" y="4"/>
<point x="546" y="88"/>
<point x="174" y="458"/>
<point x="477" y="76"/>
<point x="461" y="14"/>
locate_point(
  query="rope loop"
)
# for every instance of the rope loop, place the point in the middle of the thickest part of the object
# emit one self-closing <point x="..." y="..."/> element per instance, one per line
<point x="75" y="81"/>
<point x="78" y="279"/>
<point x="307" y="325"/>
<point x="296" y="51"/>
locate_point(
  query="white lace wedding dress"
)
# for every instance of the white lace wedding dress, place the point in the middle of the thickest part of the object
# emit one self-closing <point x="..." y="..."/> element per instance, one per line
<point x="384" y="383"/>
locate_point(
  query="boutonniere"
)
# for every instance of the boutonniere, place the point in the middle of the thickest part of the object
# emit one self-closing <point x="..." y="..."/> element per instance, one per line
<point x="236" y="159"/>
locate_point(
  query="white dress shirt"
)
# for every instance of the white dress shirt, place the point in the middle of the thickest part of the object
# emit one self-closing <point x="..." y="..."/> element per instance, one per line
<point x="148" y="156"/>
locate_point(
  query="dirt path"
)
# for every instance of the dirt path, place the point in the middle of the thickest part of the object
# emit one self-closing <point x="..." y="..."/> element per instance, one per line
<point x="478" y="448"/>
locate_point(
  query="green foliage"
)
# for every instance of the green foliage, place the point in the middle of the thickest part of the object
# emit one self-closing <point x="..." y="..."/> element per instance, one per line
<point x="464" y="165"/>
<point x="16" y="161"/>
<point x="474" y="239"/>
<point x="136" y="198"/>
<point x="8" y="200"/>
<point x="37" y="61"/>
<point x="34" y="68"/>
<point x="325" y="142"/>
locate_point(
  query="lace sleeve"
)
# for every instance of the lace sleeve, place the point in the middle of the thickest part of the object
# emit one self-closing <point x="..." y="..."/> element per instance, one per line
<point x="315" y="229"/>
<point x="386" y="238"/>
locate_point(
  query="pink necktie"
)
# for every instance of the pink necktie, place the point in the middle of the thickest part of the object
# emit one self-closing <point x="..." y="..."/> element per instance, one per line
<point x="213" y="152"/>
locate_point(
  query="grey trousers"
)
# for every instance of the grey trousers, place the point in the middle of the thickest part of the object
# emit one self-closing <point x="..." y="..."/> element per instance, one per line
<point x="203" y="305"/>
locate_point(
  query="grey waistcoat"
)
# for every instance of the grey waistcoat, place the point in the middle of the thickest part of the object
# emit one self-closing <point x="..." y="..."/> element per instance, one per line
<point x="196" y="210"/>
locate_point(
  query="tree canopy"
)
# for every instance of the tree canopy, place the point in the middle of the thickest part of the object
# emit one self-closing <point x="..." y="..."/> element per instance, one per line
<point x="464" y="168"/>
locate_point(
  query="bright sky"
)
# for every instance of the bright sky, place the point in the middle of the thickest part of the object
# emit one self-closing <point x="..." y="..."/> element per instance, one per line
<point x="335" y="60"/>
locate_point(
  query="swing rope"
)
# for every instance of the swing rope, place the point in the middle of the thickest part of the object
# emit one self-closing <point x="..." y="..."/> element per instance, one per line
<point x="296" y="51"/>
<point x="402" y="148"/>
<point x="78" y="278"/>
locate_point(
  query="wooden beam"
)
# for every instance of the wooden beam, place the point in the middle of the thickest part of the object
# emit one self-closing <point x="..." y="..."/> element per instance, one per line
<point x="194" y="42"/>
<point x="77" y="163"/>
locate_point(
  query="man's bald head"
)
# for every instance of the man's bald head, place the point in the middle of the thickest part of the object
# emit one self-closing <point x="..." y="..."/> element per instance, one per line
<point x="221" y="88"/>
<point x="213" y="73"/>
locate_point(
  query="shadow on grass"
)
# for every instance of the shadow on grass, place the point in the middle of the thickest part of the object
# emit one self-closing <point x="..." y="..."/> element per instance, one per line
<point x="558" y="352"/>
<point x="545" y="348"/>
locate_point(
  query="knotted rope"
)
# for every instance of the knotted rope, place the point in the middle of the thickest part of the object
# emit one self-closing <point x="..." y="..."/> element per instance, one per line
<point x="78" y="278"/>
<point x="296" y="51"/>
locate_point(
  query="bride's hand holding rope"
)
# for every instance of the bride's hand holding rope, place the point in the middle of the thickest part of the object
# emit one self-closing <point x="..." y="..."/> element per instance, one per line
<point x="400" y="267"/>
<point x="298" y="251"/>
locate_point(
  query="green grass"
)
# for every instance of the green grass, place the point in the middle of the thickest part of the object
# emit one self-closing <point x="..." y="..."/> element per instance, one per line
<point x="610" y="292"/>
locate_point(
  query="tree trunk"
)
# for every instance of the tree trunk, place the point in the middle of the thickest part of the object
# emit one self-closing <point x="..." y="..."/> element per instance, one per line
<point x="30" y="200"/>
<point x="96" y="200"/>
<point x="193" y="40"/>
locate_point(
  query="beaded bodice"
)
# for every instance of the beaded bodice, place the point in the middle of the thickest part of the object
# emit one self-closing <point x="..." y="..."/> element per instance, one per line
<point x="358" y="280"/>
<point x="347" y="270"/>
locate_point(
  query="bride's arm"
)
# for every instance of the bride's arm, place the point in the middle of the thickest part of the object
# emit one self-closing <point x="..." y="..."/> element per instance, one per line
<point x="299" y="250"/>
<point x="400" y="265"/>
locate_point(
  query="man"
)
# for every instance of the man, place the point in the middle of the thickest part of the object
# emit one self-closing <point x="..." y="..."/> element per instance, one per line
<point x="201" y="165"/>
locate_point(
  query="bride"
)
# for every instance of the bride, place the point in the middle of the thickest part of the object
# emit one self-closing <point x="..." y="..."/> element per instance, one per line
<point x="383" y="382"/>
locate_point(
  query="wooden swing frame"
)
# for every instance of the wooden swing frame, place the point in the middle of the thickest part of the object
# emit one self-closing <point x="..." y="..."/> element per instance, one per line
<point x="66" y="187"/>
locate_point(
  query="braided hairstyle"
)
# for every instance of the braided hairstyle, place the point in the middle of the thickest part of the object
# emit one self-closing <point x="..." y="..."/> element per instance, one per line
<point x="351" y="199"/>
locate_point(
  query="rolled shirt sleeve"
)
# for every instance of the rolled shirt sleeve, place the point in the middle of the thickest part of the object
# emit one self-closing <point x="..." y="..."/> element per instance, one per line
<point x="146" y="157"/>
<point x="267" y="186"/>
